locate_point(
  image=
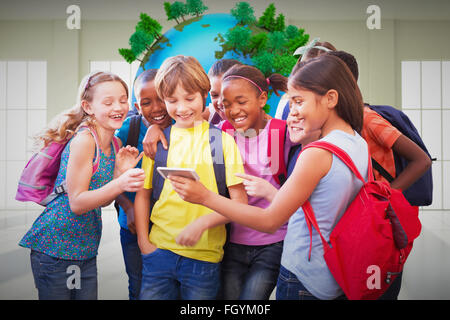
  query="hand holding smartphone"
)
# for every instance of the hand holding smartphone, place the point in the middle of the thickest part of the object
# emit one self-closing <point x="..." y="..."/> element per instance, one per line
<point x="182" y="172"/>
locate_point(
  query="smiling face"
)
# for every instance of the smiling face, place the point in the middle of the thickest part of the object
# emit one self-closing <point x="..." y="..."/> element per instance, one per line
<point x="109" y="104"/>
<point x="216" y="86"/>
<point x="151" y="106"/>
<point x="243" y="104"/>
<point x="308" y="114"/>
<point x="184" y="107"/>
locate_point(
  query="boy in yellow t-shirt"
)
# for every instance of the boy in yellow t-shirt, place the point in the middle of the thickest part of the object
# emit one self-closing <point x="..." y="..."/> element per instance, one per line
<point x="181" y="255"/>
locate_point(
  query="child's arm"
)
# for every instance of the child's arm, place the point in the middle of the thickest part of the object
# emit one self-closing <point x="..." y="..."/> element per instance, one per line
<point x="258" y="187"/>
<point x="142" y="220"/>
<point x="419" y="162"/>
<point x="311" y="166"/>
<point x="79" y="174"/>
<point x="125" y="159"/>
<point x="153" y="135"/>
<point x="190" y="235"/>
<point x="128" y="207"/>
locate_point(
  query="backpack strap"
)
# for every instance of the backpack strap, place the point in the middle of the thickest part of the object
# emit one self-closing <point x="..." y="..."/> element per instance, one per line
<point x="382" y="171"/>
<point x="307" y="208"/>
<point x="115" y="149"/>
<point x="133" y="132"/>
<point x="311" y="221"/>
<point x="116" y="145"/>
<point x="228" y="128"/>
<point x="96" y="162"/>
<point x="215" y="144"/>
<point x="341" y="154"/>
<point x="62" y="188"/>
<point x="279" y="128"/>
<point x="160" y="161"/>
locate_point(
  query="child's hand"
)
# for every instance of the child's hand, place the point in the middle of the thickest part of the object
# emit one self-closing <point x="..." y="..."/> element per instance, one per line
<point x="152" y="137"/>
<point x="127" y="158"/>
<point x="189" y="189"/>
<point x="132" y="180"/>
<point x="146" y="247"/>
<point x="258" y="187"/>
<point x="190" y="235"/>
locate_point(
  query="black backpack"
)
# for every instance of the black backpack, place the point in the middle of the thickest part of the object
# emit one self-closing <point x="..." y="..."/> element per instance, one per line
<point x="421" y="192"/>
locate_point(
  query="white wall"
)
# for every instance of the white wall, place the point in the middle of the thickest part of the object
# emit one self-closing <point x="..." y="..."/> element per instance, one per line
<point x="23" y="113"/>
<point x="32" y="33"/>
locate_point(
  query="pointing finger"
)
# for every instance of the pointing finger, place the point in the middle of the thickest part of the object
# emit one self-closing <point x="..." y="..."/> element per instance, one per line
<point x="244" y="176"/>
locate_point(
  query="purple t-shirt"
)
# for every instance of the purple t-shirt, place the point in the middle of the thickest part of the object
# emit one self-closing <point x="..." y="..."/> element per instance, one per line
<point x="256" y="162"/>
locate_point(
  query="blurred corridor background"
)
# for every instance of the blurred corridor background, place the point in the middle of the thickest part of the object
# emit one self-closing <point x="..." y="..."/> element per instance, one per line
<point x="405" y="64"/>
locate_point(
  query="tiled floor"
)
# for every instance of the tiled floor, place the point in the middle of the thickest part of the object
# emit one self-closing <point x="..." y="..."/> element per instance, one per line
<point x="426" y="275"/>
<point x="16" y="279"/>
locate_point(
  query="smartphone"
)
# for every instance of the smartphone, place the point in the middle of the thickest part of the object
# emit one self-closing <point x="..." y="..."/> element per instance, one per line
<point x="182" y="172"/>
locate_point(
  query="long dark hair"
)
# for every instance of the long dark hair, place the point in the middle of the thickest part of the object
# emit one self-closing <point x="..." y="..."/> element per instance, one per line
<point x="328" y="72"/>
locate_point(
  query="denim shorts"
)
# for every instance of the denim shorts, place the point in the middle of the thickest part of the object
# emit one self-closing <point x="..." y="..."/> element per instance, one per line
<point x="169" y="276"/>
<point x="59" y="279"/>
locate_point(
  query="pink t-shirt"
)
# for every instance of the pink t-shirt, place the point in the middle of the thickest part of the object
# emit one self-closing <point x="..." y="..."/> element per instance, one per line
<point x="254" y="153"/>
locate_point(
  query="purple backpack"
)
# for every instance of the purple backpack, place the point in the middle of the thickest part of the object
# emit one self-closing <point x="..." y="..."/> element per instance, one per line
<point x="37" y="182"/>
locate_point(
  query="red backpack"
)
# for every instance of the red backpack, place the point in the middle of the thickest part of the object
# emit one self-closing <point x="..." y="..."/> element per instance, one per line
<point x="281" y="129"/>
<point x="370" y="243"/>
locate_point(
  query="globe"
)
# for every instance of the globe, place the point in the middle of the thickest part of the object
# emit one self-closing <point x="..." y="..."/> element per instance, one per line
<point x="197" y="37"/>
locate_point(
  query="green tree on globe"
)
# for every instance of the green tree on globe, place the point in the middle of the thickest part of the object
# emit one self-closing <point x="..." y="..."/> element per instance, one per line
<point x="265" y="42"/>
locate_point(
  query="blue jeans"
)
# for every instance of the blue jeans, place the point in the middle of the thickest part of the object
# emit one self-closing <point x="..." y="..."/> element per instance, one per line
<point x="169" y="276"/>
<point x="250" y="272"/>
<point x="290" y="288"/>
<point x="59" y="279"/>
<point x="133" y="262"/>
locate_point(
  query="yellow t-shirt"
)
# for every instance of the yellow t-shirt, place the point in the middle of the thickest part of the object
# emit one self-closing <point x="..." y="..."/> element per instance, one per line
<point x="189" y="148"/>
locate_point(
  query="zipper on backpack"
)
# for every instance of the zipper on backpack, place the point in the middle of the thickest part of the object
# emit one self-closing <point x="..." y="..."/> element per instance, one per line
<point x="389" y="276"/>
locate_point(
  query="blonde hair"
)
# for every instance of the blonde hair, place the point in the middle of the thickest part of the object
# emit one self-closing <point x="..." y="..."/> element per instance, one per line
<point x="64" y="125"/>
<point x="183" y="70"/>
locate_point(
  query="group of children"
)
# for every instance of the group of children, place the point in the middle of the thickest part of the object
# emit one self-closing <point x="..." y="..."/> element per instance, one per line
<point x="231" y="234"/>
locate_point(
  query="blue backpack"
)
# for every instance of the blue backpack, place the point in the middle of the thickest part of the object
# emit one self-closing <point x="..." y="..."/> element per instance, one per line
<point x="421" y="192"/>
